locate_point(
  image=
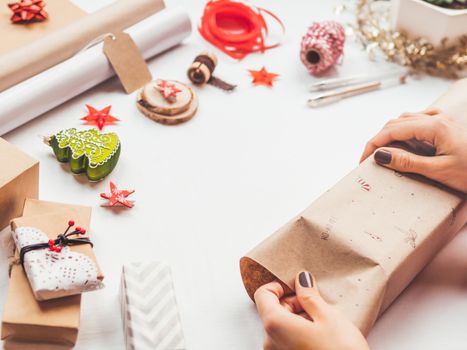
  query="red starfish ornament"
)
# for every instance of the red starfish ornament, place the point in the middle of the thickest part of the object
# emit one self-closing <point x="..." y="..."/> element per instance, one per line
<point x="263" y="77"/>
<point x="99" y="118"/>
<point x="117" y="196"/>
<point x="28" y="11"/>
<point x="168" y="91"/>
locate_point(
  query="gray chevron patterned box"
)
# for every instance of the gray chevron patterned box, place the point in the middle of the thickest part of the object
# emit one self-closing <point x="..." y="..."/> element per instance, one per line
<point x="149" y="308"/>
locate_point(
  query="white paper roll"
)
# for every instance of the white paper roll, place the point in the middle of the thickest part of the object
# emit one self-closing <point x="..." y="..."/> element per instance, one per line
<point x="58" y="84"/>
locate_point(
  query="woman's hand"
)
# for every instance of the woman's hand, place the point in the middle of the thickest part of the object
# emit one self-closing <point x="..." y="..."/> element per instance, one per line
<point x="449" y="137"/>
<point x="304" y="321"/>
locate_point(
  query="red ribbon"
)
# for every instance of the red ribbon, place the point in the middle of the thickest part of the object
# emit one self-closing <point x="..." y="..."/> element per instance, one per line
<point x="28" y="11"/>
<point x="236" y="28"/>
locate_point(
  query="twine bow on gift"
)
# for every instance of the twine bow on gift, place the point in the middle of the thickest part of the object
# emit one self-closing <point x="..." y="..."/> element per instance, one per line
<point x="62" y="240"/>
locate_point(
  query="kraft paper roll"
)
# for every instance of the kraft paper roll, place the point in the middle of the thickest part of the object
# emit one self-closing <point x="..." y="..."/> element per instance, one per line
<point x="68" y="79"/>
<point x="63" y="43"/>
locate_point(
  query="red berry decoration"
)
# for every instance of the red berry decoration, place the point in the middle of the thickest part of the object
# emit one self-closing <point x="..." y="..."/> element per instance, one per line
<point x="28" y="11"/>
<point x="71" y="223"/>
<point x="58" y="248"/>
<point x="83" y="231"/>
<point x="51" y="242"/>
<point x="78" y="229"/>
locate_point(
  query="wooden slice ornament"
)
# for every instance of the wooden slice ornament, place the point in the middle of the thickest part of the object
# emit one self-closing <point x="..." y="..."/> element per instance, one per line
<point x="167" y="102"/>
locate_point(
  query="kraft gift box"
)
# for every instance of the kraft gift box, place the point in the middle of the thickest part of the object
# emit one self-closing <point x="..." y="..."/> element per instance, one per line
<point x="53" y="321"/>
<point x="19" y="179"/>
<point x="364" y="240"/>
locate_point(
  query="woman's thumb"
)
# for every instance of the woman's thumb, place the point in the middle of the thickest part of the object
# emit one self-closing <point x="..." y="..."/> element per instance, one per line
<point x="308" y="295"/>
<point x="406" y="162"/>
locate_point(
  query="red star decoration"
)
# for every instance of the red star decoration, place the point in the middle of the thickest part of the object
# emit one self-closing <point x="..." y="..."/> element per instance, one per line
<point x="263" y="77"/>
<point x="28" y="11"/>
<point x="99" y="118"/>
<point x="167" y="90"/>
<point x="118" y="196"/>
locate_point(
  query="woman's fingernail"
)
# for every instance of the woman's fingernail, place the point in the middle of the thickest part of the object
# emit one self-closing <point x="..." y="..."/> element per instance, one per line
<point x="305" y="279"/>
<point x="383" y="156"/>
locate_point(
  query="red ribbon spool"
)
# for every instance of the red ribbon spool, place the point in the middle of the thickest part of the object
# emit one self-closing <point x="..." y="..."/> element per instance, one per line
<point x="236" y="28"/>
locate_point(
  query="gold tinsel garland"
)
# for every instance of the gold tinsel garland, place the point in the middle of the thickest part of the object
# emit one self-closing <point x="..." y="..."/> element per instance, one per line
<point x="420" y="55"/>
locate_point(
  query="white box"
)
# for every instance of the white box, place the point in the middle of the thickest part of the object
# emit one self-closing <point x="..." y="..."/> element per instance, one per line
<point x="419" y="18"/>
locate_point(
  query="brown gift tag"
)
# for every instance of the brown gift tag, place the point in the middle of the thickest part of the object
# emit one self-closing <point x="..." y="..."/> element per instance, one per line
<point x="126" y="60"/>
<point x="364" y="240"/>
<point x="24" y="318"/>
<point x="19" y="179"/>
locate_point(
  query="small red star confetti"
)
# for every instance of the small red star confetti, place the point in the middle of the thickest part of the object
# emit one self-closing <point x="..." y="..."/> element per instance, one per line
<point x="28" y="11"/>
<point x="168" y="91"/>
<point x="99" y="118"/>
<point x="117" y="196"/>
<point x="263" y="77"/>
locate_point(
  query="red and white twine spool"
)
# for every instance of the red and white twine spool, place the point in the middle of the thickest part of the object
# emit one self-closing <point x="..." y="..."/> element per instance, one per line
<point x="322" y="46"/>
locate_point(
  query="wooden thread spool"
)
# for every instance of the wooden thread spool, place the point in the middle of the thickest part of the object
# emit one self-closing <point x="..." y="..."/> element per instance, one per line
<point x="201" y="70"/>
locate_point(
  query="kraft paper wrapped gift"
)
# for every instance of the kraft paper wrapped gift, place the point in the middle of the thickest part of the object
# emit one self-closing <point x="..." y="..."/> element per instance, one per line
<point x="51" y="274"/>
<point x="364" y="240"/>
<point x="56" y="40"/>
<point x="53" y="321"/>
<point x="19" y="179"/>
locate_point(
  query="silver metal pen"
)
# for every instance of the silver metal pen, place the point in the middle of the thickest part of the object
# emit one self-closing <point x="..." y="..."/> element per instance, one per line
<point x="331" y="96"/>
<point x="327" y="84"/>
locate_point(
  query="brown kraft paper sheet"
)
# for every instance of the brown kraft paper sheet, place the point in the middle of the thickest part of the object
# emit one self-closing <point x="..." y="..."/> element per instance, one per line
<point x="364" y="240"/>
<point x="19" y="64"/>
<point x="18" y="181"/>
<point x="26" y="319"/>
<point x="61" y="13"/>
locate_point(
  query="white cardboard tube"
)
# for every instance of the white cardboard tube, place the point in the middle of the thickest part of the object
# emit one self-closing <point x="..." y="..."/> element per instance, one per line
<point x="85" y="70"/>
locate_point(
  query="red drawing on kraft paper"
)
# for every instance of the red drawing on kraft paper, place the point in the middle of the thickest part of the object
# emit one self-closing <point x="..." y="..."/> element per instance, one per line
<point x="363" y="184"/>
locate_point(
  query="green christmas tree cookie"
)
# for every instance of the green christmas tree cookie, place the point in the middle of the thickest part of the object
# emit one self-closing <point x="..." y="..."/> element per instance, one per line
<point x="87" y="151"/>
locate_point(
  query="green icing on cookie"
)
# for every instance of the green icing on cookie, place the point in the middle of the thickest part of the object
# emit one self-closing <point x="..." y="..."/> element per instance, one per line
<point x="87" y="151"/>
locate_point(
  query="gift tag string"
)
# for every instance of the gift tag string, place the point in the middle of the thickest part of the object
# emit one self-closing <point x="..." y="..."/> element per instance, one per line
<point x="96" y="41"/>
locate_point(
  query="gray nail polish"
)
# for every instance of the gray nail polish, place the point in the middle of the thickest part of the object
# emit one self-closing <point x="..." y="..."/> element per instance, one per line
<point x="383" y="157"/>
<point x="305" y="279"/>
